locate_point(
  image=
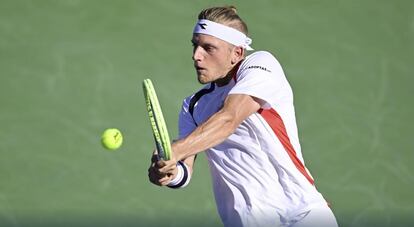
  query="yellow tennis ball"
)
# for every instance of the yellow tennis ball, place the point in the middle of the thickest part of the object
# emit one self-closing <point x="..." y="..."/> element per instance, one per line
<point x="111" y="138"/>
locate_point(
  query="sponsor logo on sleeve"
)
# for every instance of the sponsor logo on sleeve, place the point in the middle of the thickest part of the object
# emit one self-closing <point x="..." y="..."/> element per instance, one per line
<point x="259" y="67"/>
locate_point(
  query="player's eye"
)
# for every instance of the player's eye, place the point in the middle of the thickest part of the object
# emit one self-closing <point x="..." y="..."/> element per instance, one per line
<point x="209" y="48"/>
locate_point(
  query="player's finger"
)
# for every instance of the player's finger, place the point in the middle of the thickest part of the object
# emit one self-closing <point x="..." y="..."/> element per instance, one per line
<point x="165" y="180"/>
<point x="166" y="167"/>
<point x="156" y="166"/>
<point x="156" y="172"/>
<point x="153" y="178"/>
<point x="169" y="167"/>
<point x="156" y="178"/>
<point x="161" y="163"/>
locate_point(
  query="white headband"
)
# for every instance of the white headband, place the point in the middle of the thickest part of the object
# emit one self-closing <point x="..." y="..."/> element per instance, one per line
<point x="223" y="32"/>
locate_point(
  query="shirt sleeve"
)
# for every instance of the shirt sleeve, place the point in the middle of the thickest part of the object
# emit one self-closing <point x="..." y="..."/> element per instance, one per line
<point x="186" y="124"/>
<point x="262" y="77"/>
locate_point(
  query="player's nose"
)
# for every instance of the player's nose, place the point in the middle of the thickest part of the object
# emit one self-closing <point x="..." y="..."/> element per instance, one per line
<point x="197" y="54"/>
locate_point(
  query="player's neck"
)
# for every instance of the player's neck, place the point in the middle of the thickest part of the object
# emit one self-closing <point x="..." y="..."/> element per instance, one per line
<point x="230" y="75"/>
<point x="223" y="81"/>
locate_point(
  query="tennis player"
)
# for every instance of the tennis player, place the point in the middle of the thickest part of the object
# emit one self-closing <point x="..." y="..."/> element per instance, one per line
<point x="244" y="119"/>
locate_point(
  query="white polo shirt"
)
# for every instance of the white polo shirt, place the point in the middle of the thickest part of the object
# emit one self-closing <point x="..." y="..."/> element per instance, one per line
<point x="258" y="172"/>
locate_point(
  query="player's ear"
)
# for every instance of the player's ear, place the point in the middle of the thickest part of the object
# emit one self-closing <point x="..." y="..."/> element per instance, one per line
<point x="237" y="55"/>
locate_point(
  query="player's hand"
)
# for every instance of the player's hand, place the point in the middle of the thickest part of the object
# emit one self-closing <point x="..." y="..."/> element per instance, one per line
<point x="167" y="167"/>
<point x="161" y="172"/>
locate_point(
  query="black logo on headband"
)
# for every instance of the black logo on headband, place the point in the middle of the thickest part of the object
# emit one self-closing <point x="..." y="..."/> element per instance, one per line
<point x="203" y="25"/>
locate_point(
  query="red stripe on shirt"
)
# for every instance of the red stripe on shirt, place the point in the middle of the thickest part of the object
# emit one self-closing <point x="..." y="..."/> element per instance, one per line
<point x="276" y="123"/>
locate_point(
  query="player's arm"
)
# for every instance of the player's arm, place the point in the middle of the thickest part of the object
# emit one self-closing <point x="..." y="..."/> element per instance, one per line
<point x="236" y="108"/>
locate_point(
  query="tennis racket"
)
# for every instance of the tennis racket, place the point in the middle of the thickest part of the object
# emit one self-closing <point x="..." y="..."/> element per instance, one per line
<point x="159" y="128"/>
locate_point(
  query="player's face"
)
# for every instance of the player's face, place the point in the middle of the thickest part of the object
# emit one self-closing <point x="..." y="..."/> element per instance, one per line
<point x="213" y="58"/>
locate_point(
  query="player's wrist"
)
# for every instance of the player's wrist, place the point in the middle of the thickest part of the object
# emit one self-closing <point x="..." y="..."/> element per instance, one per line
<point x="182" y="178"/>
<point x="178" y="149"/>
<point x="178" y="176"/>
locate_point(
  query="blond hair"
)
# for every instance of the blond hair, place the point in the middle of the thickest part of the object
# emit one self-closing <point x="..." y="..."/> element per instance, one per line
<point x="226" y="15"/>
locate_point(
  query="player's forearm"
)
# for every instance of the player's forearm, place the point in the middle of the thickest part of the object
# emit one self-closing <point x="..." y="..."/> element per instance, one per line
<point x="217" y="128"/>
<point x="214" y="131"/>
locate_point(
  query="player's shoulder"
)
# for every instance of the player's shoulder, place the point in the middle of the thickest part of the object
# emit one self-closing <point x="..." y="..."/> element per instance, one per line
<point x="262" y="55"/>
<point x="261" y="60"/>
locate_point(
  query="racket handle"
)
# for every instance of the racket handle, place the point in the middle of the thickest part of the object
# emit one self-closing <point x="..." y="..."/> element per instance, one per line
<point x="160" y="151"/>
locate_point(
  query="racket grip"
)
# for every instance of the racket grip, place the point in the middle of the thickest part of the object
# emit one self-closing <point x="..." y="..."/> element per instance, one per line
<point x="160" y="151"/>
